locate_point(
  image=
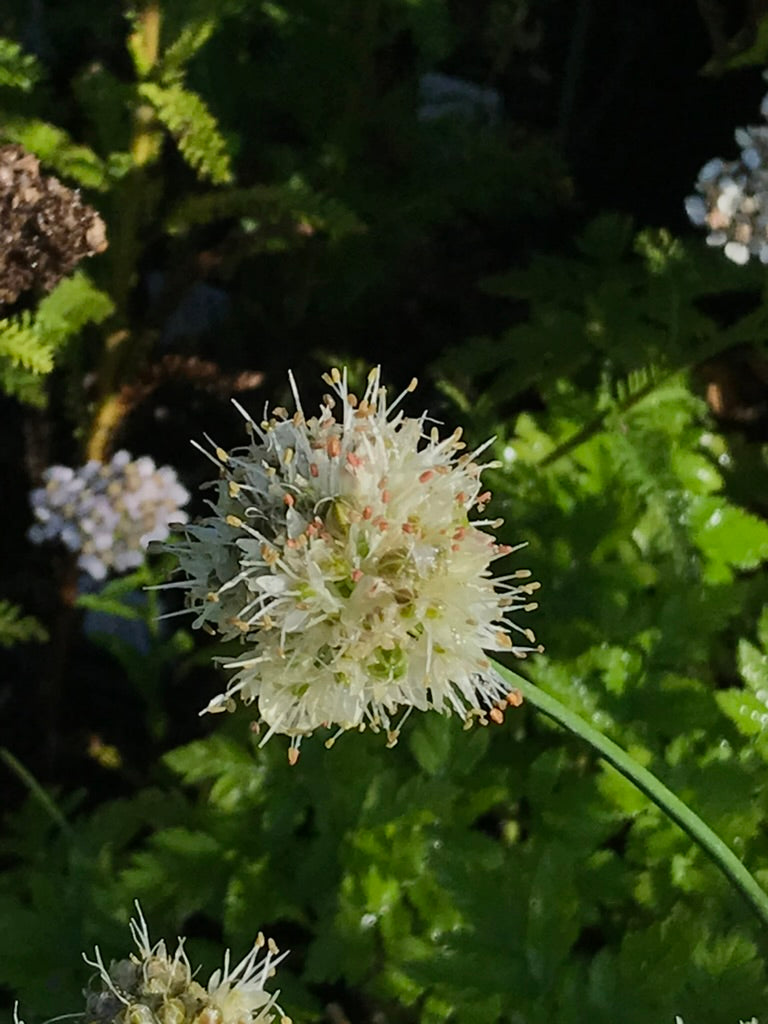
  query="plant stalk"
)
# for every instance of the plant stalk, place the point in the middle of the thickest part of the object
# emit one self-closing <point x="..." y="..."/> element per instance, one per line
<point x="654" y="789"/>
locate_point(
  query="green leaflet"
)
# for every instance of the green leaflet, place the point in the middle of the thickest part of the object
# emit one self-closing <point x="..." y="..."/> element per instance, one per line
<point x="193" y="128"/>
<point x="18" y="70"/>
<point x="30" y="342"/>
<point x="16" y="628"/>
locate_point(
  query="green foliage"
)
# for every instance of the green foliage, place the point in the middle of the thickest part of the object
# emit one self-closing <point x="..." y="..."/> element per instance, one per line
<point x="499" y="874"/>
<point x="747" y="705"/>
<point x="191" y="38"/>
<point x="193" y="128"/>
<point x="265" y="207"/>
<point x="16" y="628"/>
<point x="611" y="306"/>
<point x="18" y="70"/>
<point x="56" y="150"/>
<point x="142" y="648"/>
<point x="29" y="342"/>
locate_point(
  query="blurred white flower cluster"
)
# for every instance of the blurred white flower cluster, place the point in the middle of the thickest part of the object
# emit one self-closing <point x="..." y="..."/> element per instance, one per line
<point x="108" y="512"/>
<point x="342" y="555"/>
<point x="732" y="199"/>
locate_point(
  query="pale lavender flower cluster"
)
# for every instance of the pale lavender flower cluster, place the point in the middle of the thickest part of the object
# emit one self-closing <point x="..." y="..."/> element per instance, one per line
<point x="108" y="512"/>
<point x="732" y="200"/>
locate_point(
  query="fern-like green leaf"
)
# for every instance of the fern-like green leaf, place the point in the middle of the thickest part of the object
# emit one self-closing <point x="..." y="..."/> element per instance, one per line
<point x="56" y="150"/>
<point x="72" y="304"/>
<point x="18" y="70"/>
<point x="178" y="54"/>
<point x="747" y="706"/>
<point x="727" y="535"/>
<point x="29" y="341"/>
<point x="24" y="385"/>
<point x="294" y="202"/>
<point x="23" y="345"/>
<point x="16" y="628"/>
<point x="193" y="127"/>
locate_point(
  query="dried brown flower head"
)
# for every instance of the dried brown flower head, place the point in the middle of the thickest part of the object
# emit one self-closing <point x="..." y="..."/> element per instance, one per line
<point x="45" y="227"/>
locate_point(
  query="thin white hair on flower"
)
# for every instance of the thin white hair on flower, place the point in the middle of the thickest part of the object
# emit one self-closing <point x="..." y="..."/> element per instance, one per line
<point x="153" y="986"/>
<point x="232" y="990"/>
<point x="340" y="553"/>
<point x="49" y="1020"/>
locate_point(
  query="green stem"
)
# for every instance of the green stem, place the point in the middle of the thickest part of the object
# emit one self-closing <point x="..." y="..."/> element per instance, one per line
<point x="653" y="788"/>
<point x="36" y="790"/>
<point x="597" y="425"/>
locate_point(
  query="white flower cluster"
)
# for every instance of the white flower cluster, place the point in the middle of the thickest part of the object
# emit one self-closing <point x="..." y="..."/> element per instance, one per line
<point x="732" y="200"/>
<point x="341" y="554"/>
<point x="155" y="988"/>
<point x="108" y="512"/>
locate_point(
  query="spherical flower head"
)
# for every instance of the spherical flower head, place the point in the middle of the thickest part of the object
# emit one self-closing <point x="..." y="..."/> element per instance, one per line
<point x="108" y="513"/>
<point x="156" y="988"/>
<point x="732" y="197"/>
<point x="341" y="555"/>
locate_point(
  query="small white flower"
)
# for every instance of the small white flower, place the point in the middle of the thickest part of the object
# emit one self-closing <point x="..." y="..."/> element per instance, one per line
<point x="108" y="512"/>
<point x="737" y="252"/>
<point x="341" y="554"/>
<point x="155" y="988"/>
<point x="696" y="209"/>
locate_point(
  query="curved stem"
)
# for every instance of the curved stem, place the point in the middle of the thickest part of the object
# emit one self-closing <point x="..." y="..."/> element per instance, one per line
<point x="653" y="788"/>
<point x="37" y="791"/>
